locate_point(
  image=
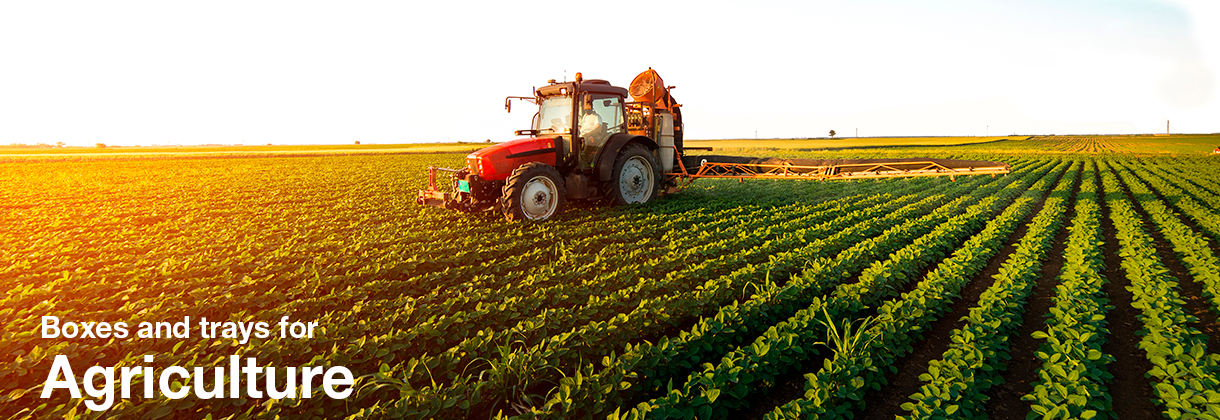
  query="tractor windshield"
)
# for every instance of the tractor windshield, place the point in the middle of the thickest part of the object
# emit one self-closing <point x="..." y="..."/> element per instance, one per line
<point x="555" y="115"/>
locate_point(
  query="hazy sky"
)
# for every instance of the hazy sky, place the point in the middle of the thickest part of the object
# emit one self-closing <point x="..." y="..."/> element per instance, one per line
<point x="256" y="72"/>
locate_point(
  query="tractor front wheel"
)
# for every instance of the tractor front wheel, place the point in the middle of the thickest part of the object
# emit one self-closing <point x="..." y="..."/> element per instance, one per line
<point x="533" y="192"/>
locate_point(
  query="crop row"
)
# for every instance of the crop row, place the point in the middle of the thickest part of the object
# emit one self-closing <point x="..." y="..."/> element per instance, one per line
<point x="1196" y="175"/>
<point x="718" y="389"/>
<point x="1185" y="373"/>
<point x="837" y="389"/>
<point x="957" y="382"/>
<point x="1181" y="199"/>
<point x="1191" y="247"/>
<point x="1073" y="377"/>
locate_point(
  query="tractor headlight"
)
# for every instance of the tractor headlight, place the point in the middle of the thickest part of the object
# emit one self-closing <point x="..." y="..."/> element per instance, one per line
<point x="485" y="167"/>
<point x="472" y="164"/>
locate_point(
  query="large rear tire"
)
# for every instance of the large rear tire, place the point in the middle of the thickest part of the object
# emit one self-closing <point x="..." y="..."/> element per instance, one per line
<point x="534" y="191"/>
<point x="636" y="177"/>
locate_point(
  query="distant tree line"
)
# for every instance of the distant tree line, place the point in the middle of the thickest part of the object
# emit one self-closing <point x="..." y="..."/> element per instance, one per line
<point x="36" y="146"/>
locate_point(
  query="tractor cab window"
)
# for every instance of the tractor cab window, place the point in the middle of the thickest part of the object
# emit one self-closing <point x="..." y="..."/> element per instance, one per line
<point x="600" y="117"/>
<point x="555" y="115"/>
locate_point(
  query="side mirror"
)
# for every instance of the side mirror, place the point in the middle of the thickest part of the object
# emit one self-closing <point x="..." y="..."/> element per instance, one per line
<point x="508" y="105"/>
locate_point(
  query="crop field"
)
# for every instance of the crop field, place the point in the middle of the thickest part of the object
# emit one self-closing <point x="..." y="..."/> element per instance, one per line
<point x="1085" y="284"/>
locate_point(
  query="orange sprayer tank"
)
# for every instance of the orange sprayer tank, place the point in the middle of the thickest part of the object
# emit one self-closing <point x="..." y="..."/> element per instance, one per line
<point x="648" y="87"/>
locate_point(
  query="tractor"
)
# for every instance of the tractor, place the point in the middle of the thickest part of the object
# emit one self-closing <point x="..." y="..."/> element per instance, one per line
<point x="587" y="142"/>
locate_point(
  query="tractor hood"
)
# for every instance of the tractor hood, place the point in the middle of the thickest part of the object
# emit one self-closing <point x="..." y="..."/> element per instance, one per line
<point x="497" y="162"/>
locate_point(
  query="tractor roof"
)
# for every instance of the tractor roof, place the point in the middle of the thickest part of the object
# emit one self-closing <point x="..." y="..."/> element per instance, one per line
<point x="588" y="85"/>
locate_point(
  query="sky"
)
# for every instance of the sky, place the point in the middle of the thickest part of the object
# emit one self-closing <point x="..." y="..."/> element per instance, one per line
<point x="311" y="72"/>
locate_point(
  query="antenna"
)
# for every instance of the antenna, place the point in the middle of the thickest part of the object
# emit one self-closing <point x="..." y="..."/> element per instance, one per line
<point x="565" y="76"/>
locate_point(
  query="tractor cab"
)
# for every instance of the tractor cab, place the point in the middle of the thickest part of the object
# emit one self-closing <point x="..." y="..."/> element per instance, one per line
<point x="581" y="116"/>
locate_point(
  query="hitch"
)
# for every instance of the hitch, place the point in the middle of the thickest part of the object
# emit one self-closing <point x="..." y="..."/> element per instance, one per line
<point x="466" y="193"/>
<point x="433" y="196"/>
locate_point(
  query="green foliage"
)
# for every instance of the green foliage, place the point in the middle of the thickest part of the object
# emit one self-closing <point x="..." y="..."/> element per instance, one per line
<point x="1073" y="376"/>
<point x="753" y="367"/>
<point x="977" y="352"/>
<point x="688" y="307"/>
<point x="839" y="387"/>
<point x="1186" y="373"/>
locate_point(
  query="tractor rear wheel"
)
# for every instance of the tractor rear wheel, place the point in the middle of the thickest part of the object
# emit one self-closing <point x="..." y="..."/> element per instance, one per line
<point x="636" y="177"/>
<point x="533" y="192"/>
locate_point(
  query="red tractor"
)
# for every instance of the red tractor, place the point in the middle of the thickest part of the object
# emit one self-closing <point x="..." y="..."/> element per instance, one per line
<point x="589" y="142"/>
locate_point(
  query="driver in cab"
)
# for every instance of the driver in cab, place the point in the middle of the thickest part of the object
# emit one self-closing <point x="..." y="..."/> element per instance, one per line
<point x="591" y="127"/>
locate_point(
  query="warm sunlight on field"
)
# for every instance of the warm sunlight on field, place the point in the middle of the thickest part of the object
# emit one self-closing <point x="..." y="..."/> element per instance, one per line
<point x="1079" y="271"/>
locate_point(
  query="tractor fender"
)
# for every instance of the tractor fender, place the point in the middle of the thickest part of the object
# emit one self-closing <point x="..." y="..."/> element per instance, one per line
<point x="605" y="161"/>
